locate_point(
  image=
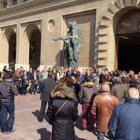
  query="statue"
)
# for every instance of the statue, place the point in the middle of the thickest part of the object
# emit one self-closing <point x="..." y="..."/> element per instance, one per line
<point x="72" y="44"/>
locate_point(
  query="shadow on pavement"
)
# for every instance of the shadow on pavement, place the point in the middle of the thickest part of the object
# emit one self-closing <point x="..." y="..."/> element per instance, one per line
<point x="79" y="138"/>
<point x="36" y="114"/>
<point x="44" y="134"/>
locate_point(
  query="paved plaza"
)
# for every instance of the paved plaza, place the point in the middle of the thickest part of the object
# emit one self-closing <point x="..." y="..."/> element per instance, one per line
<point x="27" y="126"/>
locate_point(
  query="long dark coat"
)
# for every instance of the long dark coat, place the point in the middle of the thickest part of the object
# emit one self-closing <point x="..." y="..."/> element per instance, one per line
<point x="63" y="121"/>
<point x="46" y="88"/>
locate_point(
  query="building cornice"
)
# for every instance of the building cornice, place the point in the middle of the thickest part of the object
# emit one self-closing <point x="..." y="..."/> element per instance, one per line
<point x="36" y="7"/>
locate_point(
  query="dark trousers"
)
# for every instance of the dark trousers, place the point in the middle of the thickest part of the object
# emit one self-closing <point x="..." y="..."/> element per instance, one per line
<point x="100" y="135"/>
<point x="42" y="109"/>
<point x="86" y="117"/>
<point x="7" y="116"/>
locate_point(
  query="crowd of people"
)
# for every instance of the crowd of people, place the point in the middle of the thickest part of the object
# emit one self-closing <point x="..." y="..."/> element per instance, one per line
<point x="109" y="100"/>
<point x="29" y="81"/>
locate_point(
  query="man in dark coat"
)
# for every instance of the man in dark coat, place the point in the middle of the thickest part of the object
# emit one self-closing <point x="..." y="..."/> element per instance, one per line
<point x="125" y="121"/>
<point x="119" y="90"/>
<point x="7" y="92"/>
<point x="46" y="87"/>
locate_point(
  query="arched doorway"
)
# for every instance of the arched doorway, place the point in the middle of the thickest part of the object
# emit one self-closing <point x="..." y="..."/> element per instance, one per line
<point x="34" y="48"/>
<point x="128" y="41"/>
<point x="12" y="50"/>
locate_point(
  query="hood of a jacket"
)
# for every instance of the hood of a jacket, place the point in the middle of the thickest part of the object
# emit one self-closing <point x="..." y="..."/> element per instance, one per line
<point x="63" y="92"/>
<point x="88" y="84"/>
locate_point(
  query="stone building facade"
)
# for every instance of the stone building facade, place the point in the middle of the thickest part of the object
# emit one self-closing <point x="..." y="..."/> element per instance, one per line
<point x="109" y="29"/>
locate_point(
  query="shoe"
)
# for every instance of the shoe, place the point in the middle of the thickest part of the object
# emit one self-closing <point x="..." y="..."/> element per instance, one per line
<point x="13" y="130"/>
<point x="83" y="129"/>
<point x="4" y="132"/>
<point x="40" y="119"/>
<point x="90" y="129"/>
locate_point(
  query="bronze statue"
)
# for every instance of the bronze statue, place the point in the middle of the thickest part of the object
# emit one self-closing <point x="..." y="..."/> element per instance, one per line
<point x="72" y="44"/>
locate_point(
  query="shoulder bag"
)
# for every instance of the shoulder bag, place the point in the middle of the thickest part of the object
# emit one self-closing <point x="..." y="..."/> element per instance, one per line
<point x="60" y="107"/>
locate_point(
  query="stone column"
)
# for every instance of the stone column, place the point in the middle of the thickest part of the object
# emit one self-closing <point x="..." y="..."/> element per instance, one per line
<point x="43" y="41"/>
<point x="9" y="3"/>
<point x="21" y="50"/>
<point x="18" y="47"/>
<point x="19" y="1"/>
<point x="4" y="49"/>
<point x="1" y="5"/>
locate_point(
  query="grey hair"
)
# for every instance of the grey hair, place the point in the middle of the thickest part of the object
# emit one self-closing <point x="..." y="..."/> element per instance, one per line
<point x="133" y="93"/>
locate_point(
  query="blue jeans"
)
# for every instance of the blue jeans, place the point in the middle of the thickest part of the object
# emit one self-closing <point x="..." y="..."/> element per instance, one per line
<point x="100" y="135"/>
<point x="7" y="116"/>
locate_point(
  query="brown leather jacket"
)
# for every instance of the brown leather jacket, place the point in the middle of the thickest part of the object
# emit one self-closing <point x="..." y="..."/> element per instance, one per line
<point x="102" y="108"/>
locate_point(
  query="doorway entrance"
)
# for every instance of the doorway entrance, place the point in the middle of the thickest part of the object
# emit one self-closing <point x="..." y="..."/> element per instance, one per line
<point x="129" y="52"/>
<point x="35" y="47"/>
<point x="12" y="50"/>
<point x="128" y="41"/>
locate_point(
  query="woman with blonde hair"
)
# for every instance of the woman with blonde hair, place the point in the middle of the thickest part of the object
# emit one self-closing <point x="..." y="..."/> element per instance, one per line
<point x="62" y="112"/>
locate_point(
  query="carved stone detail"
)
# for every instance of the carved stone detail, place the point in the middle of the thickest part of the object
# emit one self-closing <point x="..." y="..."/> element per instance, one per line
<point x="112" y="9"/>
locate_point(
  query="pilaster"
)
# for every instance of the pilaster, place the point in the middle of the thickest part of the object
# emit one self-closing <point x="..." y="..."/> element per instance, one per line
<point x="8" y="3"/>
<point x="43" y="41"/>
<point x="4" y="50"/>
<point x="21" y="52"/>
<point x="19" y="1"/>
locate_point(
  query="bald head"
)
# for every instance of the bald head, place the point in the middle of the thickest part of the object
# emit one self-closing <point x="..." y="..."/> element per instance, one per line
<point x="133" y="93"/>
<point x="105" y="87"/>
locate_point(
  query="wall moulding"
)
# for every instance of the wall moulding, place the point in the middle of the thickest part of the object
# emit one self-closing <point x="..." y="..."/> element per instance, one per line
<point x="35" y="7"/>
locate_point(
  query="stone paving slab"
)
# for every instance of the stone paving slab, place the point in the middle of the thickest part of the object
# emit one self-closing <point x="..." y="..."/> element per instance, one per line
<point x="27" y="126"/>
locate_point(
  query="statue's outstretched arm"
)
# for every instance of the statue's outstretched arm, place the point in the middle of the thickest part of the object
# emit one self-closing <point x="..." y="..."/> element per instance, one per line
<point x="62" y="38"/>
<point x="58" y="38"/>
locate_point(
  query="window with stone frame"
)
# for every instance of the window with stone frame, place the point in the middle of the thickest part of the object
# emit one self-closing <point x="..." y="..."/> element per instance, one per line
<point x="14" y="2"/>
<point x="4" y="4"/>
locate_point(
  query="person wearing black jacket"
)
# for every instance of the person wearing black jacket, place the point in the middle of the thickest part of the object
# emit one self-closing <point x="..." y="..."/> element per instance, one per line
<point x="62" y="112"/>
<point x="7" y="92"/>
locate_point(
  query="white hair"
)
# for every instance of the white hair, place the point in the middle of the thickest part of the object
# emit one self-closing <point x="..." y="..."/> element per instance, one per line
<point x="133" y="93"/>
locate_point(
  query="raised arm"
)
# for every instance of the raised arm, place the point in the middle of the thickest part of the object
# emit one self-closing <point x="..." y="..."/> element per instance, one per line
<point x="59" y="38"/>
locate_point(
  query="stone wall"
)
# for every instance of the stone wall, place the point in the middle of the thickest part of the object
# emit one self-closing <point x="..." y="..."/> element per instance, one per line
<point x="96" y="19"/>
